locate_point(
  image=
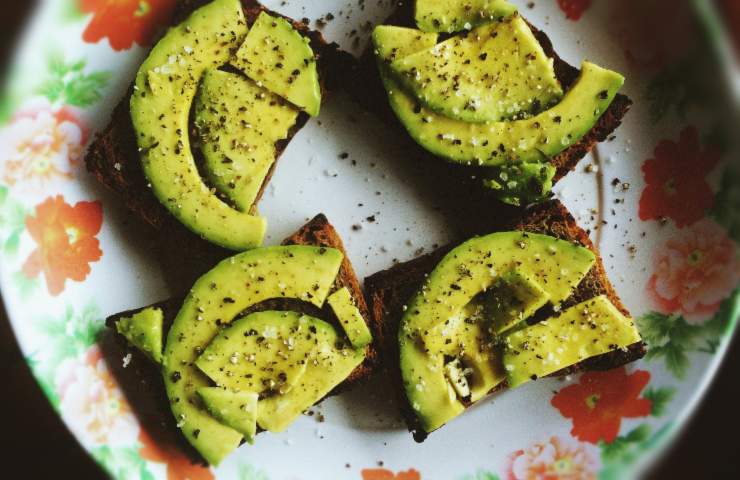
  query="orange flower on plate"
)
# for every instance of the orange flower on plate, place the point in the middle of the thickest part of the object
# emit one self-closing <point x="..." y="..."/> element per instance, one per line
<point x="574" y="9"/>
<point x="124" y="22"/>
<point x="179" y="466"/>
<point x="385" y="474"/>
<point x="695" y="271"/>
<point x="66" y="241"/>
<point x="41" y="142"/>
<point x="601" y="400"/>
<point x="676" y="180"/>
<point x="652" y="33"/>
<point x="557" y="459"/>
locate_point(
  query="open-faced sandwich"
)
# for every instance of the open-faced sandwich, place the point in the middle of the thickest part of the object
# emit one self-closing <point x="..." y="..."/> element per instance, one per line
<point x="528" y="301"/>
<point x="192" y="146"/>
<point x="258" y="340"/>
<point x="473" y="83"/>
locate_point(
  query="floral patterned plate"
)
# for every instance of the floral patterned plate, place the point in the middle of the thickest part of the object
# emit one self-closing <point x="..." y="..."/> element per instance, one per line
<point x="660" y="198"/>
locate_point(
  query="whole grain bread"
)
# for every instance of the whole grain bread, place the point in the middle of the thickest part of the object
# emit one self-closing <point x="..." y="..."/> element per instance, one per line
<point x="388" y="291"/>
<point x="113" y="158"/>
<point x="141" y="379"/>
<point x="366" y="88"/>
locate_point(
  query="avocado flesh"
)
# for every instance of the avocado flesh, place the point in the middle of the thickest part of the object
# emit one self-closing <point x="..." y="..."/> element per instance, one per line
<point x="302" y="272"/>
<point x="586" y="330"/>
<point x="143" y="330"/>
<point x="448" y="16"/>
<point x="445" y="309"/>
<point x="496" y="72"/>
<point x="329" y="364"/>
<point x="350" y="318"/>
<point x="535" y="139"/>
<point x="291" y="360"/>
<point x="276" y="55"/>
<point x="513" y="299"/>
<point x="238" y="124"/>
<point x="237" y="410"/>
<point x="164" y="90"/>
<point x="519" y="183"/>
<point x="392" y="42"/>
<point x="260" y="352"/>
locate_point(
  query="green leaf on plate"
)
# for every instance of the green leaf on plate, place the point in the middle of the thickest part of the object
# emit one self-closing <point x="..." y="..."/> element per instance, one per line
<point x="10" y="247"/>
<point x="659" y="399"/>
<point x="69" y="84"/>
<point x="24" y="285"/>
<point x="84" y="90"/>
<point x="71" y="334"/>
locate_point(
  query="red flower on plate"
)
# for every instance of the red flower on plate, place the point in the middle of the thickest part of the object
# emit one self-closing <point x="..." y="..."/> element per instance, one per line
<point x="179" y="466"/>
<point x="676" y="180"/>
<point x="574" y="9"/>
<point x="695" y="271"/>
<point x="385" y="474"/>
<point x="653" y="33"/>
<point x="601" y="400"/>
<point x="124" y="22"/>
<point x="66" y="241"/>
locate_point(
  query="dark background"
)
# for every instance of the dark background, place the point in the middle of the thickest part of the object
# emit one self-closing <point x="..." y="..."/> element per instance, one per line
<point x="36" y="441"/>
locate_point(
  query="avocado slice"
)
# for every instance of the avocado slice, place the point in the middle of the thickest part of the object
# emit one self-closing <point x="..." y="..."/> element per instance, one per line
<point x="302" y="272"/>
<point x="262" y="352"/>
<point x="496" y="72"/>
<point x="291" y="360"/>
<point x="513" y="298"/>
<point x="532" y="140"/>
<point x="392" y="42"/>
<point x="237" y="410"/>
<point x="520" y="183"/>
<point x="445" y="320"/>
<point x="238" y="124"/>
<point x="277" y="56"/>
<point x="447" y="16"/>
<point x="143" y="330"/>
<point x="164" y="90"/>
<point x="586" y="330"/>
<point x="350" y="317"/>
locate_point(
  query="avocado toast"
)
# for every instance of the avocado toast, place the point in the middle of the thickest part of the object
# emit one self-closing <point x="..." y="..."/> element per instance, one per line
<point x="115" y="158"/>
<point x="461" y="123"/>
<point x="142" y="380"/>
<point x="390" y="292"/>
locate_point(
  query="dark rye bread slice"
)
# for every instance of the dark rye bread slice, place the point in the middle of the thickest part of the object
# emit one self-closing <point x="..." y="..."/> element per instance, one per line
<point x="141" y="380"/>
<point x="113" y="158"/>
<point x="388" y="291"/>
<point x="366" y="88"/>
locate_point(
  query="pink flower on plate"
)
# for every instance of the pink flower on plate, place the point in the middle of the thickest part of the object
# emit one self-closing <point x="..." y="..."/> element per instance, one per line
<point x="556" y="459"/>
<point x="92" y="404"/>
<point x="41" y="142"/>
<point x="695" y="271"/>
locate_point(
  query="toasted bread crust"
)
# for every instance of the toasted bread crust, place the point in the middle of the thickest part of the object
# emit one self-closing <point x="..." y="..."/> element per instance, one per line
<point x="366" y="88"/>
<point x="388" y="291"/>
<point x="141" y="380"/>
<point x="113" y="158"/>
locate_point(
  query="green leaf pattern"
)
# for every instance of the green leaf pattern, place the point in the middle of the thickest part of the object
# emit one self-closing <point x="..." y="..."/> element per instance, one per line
<point x="68" y="84"/>
<point x="671" y="338"/>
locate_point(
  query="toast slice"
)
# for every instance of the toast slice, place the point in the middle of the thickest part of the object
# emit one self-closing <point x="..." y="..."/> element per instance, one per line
<point x="388" y="291"/>
<point x="366" y="88"/>
<point x="141" y="379"/>
<point x="113" y="158"/>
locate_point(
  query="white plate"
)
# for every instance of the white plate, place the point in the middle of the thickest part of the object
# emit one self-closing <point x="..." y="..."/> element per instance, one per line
<point x="69" y="258"/>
